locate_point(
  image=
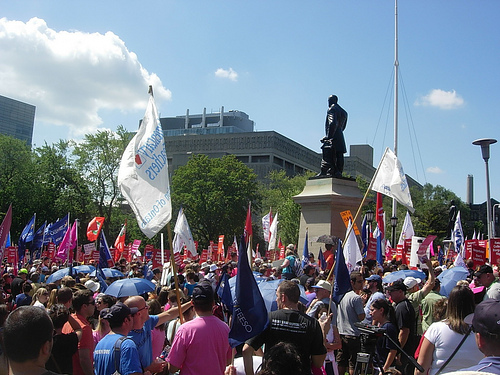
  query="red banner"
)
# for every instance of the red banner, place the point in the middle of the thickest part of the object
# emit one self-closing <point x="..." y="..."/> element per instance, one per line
<point x="495" y="250"/>
<point x="407" y="251"/>
<point x="468" y="248"/>
<point x="479" y="253"/>
<point x="10" y="254"/>
<point x="51" y="250"/>
<point x="371" y="252"/>
<point x="204" y="255"/>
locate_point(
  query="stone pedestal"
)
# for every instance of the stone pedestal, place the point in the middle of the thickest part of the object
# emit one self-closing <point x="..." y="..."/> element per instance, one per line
<point x="322" y="201"/>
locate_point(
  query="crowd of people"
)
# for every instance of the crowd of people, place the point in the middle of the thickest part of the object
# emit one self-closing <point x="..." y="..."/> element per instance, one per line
<point x="69" y="327"/>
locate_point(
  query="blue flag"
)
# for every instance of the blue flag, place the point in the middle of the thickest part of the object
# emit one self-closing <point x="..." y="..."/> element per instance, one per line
<point x="249" y="311"/>
<point x="364" y="237"/>
<point x="322" y="261"/>
<point x="146" y="270"/>
<point x="55" y="232"/>
<point x="224" y="291"/>
<point x="102" y="279"/>
<point x="342" y="282"/>
<point x="380" y="259"/>
<point x="305" y="254"/>
<point x="105" y="259"/>
<point x="26" y="236"/>
<point x="38" y="238"/>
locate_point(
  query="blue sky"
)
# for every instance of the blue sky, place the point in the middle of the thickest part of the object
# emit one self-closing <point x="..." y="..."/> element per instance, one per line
<point x="87" y="65"/>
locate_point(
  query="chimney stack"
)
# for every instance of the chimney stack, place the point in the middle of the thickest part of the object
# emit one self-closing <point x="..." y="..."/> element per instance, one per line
<point x="470" y="189"/>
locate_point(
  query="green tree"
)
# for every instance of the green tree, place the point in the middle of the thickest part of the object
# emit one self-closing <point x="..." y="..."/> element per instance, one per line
<point x="61" y="188"/>
<point x="214" y="193"/>
<point x="432" y="206"/>
<point x="97" y="158"/>
<point x="278" y="195"/>
<point x="16" y="182"/>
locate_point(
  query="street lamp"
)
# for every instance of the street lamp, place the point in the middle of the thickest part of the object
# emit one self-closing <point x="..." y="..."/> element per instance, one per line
<point x="394" y="222"/>
<point x="485" y="150"/>
<point x="493" y="219"/>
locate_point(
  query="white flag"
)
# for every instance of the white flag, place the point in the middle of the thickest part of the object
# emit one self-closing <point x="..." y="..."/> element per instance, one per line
<point x="273" y="232"/>
<point x="457" y="236"/>
<point x="407" y="231"/>
<point x="459" y="262"/>
<point x="183" y="234"/>
<point x="143" y="175"/>
<point x="390" y="180"/>
<point x="266" y="224"/>
<point x="352" y="254"/>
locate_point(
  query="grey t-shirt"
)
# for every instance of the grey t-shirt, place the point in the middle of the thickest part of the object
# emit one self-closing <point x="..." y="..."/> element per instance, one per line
<point x="347" y="314"/>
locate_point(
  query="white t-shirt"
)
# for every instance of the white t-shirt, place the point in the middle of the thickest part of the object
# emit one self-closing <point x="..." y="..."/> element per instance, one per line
<point x="445" y="341"/>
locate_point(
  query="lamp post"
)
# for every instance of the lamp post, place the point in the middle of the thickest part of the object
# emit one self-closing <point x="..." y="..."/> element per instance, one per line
<point x="485" y="151"/>
<point x="369" y="219"/>
<point x="394" y="222"/>
<point x="493" y="219"/>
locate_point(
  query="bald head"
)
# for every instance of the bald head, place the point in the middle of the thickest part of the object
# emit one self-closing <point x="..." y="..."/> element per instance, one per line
<point x="142" y="314"/>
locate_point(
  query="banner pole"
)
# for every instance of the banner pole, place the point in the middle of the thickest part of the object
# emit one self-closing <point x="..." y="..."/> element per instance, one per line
<point x="174" y="270"/>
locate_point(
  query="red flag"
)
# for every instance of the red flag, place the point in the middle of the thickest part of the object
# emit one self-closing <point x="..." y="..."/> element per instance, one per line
<point x="120" y="242"/>
<point x="282" y="249"/>
<point x="4" y="230"/>
<point x="380" y="215"/>
<point x="248" y="225"/>
<point x="94" y="228"/>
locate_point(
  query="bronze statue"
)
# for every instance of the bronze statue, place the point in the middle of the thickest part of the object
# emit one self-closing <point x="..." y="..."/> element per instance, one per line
<point x="452" y="216"/>
<point x="333" y="143"/>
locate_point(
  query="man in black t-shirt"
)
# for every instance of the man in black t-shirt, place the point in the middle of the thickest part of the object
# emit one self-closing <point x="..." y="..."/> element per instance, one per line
<point x="407" y="323"/>
<point x="292" y="326"/>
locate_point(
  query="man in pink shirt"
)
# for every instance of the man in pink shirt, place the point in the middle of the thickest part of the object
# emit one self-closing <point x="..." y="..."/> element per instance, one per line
<point x="201" y="346"/>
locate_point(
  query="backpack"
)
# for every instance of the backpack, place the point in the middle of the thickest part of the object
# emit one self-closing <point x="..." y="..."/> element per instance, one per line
<point x="297" y="268"/>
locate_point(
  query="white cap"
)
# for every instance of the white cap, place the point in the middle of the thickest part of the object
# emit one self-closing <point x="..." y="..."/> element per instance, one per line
<point x="410" y="282"/>
<point x="92" y="285"/>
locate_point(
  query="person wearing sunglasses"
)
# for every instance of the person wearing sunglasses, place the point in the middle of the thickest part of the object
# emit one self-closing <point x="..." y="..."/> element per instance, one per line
<point x="84" y="306"/>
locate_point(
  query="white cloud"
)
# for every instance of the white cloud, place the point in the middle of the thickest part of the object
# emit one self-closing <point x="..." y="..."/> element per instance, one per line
<point x="71" y="75"/>
<point x="434" y="170"/>
<point x="441" y="99"/>
<point x="229" y="74"/>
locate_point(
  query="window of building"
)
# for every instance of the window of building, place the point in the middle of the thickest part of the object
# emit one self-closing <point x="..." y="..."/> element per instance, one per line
<point x="260" y="159"/>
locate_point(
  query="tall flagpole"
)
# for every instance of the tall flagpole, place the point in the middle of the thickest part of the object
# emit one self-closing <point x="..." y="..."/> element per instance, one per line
<point x="396" y="72"/>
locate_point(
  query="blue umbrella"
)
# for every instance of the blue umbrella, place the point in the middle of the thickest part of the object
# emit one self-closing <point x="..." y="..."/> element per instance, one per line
<point x="58" y="275"/>
<point x="130" y="287"/>
<point x="85" y="268"/>
<point x="109" y="272"/>
<point x="403" y="274"/>
<point x="450" y="277"/>
<point x="268" y="291"/>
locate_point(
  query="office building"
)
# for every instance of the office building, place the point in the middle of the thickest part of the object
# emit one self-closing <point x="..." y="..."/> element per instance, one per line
<point x="17" y="119"/>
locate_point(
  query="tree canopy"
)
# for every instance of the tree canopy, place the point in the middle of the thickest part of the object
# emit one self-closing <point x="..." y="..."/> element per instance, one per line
<point x="214" y="193"/>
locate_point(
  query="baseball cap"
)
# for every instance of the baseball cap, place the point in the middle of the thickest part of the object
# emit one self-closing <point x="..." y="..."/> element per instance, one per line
<point x="397" y="285"/>
<point x="92" y="285"/>
<point x="410" y="282"/>
<point x="203" y="292"/>
<point x="213" y="268"/>
<point x="323" y="284"/>
<point x="376" y="278"/>
<point x="486" y="318"/>
<point x="119" y="311"/>
<point x="23" y="270"/>
<point x="483" y="269"/>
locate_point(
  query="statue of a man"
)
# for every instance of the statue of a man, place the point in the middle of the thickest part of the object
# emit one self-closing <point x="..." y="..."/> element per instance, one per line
<point x="452" y="216"/>
<point x="333" y="143"/>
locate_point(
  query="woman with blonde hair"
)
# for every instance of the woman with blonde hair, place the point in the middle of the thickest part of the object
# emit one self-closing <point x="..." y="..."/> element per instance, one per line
<point x="40" y="298"/>
<point x="442" y="338"/>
